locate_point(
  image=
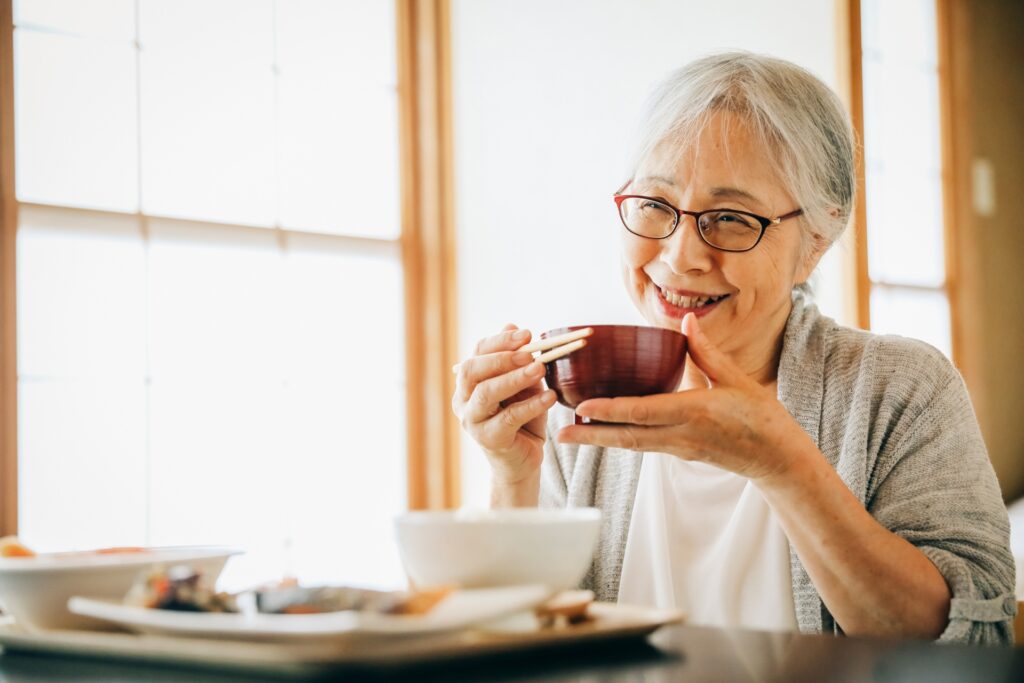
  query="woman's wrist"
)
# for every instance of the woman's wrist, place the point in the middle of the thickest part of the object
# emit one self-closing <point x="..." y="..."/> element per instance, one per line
<point x="515" y="490"/>
<point x="799" y="466"/>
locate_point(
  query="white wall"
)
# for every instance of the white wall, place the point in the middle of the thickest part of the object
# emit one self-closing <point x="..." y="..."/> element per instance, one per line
<point x="546" y="98"/>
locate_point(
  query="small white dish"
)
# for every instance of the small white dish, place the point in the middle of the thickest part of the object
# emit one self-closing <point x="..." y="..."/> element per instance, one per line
<point x="35" y="590"/>
<point x="461" y="609"/>
<point x="478" y="548"/>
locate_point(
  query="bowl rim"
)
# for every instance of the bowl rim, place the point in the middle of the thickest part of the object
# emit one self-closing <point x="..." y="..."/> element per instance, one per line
<point x="85" y="560"/>
<point x="573" y="328"/>
<point x="478" y="517"/>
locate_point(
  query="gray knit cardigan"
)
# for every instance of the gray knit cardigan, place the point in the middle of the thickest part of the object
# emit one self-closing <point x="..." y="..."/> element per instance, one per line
<point x="893" y="417"/>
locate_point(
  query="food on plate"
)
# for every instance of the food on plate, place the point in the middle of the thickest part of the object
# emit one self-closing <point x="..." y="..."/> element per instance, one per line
<point x="10" y="546"/>
<point x="180" y="588"/>
<point x="422" y="601"/>
<point x="566" y="608"/>
<point x="290" y="598"/>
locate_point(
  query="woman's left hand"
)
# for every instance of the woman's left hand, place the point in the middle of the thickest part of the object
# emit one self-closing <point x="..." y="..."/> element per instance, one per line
<point x="736" y="423"/>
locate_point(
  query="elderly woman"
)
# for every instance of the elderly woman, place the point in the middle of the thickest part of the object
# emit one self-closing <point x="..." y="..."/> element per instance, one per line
<point x="805" y="475"/>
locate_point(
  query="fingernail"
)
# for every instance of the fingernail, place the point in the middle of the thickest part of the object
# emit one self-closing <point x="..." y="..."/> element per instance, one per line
<point x="521" y="335"/>
<point x="522" y="358"/>
<point x="535" y="370"/>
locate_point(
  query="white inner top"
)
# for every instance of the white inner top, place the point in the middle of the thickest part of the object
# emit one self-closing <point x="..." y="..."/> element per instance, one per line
<point x="704" y="540"/>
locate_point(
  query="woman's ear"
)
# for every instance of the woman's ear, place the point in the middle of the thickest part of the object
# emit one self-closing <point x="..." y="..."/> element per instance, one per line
<point x="814" y="248"/>
<point x="813" y="251"/>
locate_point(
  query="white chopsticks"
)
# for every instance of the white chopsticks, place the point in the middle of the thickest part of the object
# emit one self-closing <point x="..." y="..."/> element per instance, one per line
<point x="555" y="347"/>
<point x="552" y="342"/>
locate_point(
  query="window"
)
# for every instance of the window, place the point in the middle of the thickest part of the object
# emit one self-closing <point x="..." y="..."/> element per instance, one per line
<point x="903" y="170"/>
<point x="210" y="280"/>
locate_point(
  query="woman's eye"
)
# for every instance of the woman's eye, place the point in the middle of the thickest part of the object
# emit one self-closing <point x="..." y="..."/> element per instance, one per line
<point x="733" y="220"/>
<point x="655" y="210"/>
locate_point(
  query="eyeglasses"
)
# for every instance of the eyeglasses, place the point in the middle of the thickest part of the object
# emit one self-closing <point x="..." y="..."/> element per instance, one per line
<point x="723" y="229"/>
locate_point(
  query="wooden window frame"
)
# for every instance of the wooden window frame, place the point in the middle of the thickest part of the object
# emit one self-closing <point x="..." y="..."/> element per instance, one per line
<point x="856" y="279"/>
<point x="8" y="282"/>
<point x="428" y="251"/>
<point x="953" y="44"/>
<point x="426" y="246"/>
<point x="857" y="274"/>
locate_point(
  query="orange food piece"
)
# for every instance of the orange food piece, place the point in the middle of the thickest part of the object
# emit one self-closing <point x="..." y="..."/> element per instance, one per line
<point x="118" y="550"/>
<point x="10" y="546"/>
<point x="300" y="609"/>
<point x="421" y="602"/>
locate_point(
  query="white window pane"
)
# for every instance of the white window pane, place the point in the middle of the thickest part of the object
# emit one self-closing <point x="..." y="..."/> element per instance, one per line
<point x="81" y="463"/>
<point x="339" y="124"/>
<point x="208" y="111"/>
<point x="346" y="445"/>
<point x="344" y="480"/>
<point x="81" y="295"/>
<point x="217" y="393"/>
<point x="109" y="19"/>
<point x="216" y="471"/>
<point x="225" y="29"/>
<point x="353" y="40"/>
<point x="304" y="453"/>
<point x="346" y="414"/>
<point x="339" y="158"/>
<point x="216" y="460"/>
<point x="905" y="231"/>
<point x="344" y="315"/>
<point x="214" y="302"/>
<point x="920" y="314"/>
<point x="901" y="116"/>
<point x="900" y="30"/>
<point x="75" y="121"/>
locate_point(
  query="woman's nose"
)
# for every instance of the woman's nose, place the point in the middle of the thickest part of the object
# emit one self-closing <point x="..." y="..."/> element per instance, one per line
<point x="684" y="250"/>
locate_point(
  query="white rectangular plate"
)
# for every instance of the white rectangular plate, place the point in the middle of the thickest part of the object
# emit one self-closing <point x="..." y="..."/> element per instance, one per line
<point x="460" y="609"/>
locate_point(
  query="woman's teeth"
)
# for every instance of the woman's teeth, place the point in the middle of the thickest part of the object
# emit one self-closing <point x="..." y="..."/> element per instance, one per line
<point x="689" y="301"/>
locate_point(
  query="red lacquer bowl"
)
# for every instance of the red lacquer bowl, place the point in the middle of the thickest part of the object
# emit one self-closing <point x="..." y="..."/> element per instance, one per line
<point x="618" y="360"/>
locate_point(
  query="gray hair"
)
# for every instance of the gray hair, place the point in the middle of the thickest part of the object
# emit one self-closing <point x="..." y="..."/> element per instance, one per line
<point x="789" y="109"/>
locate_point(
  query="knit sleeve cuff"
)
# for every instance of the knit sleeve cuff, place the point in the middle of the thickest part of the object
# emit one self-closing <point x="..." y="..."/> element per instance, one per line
<point x="968" y="609"/>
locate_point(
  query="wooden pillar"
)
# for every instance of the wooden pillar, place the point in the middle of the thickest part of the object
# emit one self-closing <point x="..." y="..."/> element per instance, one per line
<point x="428" y="251"/>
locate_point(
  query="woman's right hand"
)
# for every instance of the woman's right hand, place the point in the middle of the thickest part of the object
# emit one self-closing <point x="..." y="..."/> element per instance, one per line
<point x="503" y="406"/>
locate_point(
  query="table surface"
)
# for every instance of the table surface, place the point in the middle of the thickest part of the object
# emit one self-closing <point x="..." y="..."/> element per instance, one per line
<point x="681" y="653"/>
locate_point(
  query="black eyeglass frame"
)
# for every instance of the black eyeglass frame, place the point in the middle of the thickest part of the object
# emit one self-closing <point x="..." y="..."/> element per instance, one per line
<point x="765" y="223"/>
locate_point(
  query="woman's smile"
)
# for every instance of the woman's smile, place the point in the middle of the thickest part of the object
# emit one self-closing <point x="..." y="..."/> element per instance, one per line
<point x="676" y="303"/>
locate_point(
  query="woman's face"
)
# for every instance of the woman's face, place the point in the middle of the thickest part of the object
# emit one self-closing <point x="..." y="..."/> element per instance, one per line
<point x="726" y="169"/>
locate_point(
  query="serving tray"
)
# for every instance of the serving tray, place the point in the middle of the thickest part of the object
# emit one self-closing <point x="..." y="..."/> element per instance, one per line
<point x="607" y="622"/>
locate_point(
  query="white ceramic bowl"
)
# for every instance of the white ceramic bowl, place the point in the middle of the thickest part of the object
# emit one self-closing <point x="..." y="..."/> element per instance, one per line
<point x="35" y="590"/>
<point x="478" y="549"/>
